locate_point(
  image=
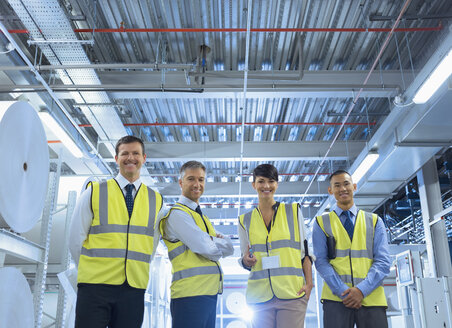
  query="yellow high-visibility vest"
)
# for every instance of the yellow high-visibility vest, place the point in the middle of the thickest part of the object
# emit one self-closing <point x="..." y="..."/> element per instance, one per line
<point x="283" y="240"/>
<point x="193" y="274"/>
<point x="119" y="248"/>
<point x="353" y="258"/>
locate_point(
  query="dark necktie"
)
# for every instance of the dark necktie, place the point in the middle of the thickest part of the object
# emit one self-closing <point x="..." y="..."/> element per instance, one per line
<point x="198" y="210"/>
<point x="348" y="224"/>
<point x="129" y="198"/>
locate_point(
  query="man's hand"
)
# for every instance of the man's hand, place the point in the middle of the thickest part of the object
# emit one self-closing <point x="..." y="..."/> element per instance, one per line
<point x="219" y="235"/>
<point x="248" y="260"/>
<point x="353" y="298"/>
<point x="307" y="290"/>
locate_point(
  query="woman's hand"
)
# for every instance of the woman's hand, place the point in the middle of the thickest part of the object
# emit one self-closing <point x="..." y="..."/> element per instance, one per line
<point x="248" y="259"/>
<point x="307" y="290"/>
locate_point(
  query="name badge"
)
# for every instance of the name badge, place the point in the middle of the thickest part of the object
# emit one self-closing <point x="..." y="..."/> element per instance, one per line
<point x="270" y="262"/>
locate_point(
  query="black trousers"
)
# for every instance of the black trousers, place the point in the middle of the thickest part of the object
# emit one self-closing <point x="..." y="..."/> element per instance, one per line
<point x="100" y="306"/>
<point x="337" y="315"/>
<point x="194" y="312"/>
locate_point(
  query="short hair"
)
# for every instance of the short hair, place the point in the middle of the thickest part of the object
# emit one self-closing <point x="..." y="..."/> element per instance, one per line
<point x="266" y="171"/>
<point x="128" y="140"/>
<point x="338" y="172"/>
<point x="190" y="165"/>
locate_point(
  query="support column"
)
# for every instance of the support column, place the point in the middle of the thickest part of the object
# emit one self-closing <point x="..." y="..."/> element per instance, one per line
<point x="435" y="235"/>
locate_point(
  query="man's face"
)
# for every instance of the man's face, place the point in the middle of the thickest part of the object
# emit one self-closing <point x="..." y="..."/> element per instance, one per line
<point x="130" y="158"/>
<point x="192" y="183"/>
<point x="342" y="187"/>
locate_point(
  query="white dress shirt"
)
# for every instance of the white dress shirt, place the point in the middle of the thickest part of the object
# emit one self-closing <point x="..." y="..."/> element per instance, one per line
<point x="181" y="226"/>
<point x="244" y="242"/>
<point x="82" y="217"/>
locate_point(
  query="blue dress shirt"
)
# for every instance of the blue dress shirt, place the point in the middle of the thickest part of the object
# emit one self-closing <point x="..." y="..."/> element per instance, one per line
<point x="377" y="272"/>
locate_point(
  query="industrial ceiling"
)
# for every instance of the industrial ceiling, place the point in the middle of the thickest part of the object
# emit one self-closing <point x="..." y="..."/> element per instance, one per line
<point x="309" y="86"/>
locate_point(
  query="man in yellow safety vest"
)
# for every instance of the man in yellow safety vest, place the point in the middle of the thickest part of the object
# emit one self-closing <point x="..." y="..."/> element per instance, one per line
<point x="112" y="241"/>
<point x="352" y="257"/>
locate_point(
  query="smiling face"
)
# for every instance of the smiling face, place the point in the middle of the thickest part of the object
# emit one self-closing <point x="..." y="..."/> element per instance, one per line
<point x="192" y="183"/>
<point x="342" y="187"/>
<point x="130" y="158"/>
<point x="265" y="187"/>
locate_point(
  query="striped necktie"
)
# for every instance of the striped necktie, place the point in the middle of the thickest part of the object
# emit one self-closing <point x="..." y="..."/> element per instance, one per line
<point x="129" y="198"/>
<point x="348" y="224"/>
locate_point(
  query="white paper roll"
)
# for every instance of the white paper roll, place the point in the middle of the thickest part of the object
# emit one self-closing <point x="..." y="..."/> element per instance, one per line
<point x="235" y="302"/>
<point x="24" y="167"/>
<point x="16" y="301"/>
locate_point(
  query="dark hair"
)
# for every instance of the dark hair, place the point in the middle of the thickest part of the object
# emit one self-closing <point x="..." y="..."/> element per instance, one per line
<point x="190" y="165"/>
<point x="266" y="171"/>
<point x="128" y="140"/>
<point x="338" y="172"/>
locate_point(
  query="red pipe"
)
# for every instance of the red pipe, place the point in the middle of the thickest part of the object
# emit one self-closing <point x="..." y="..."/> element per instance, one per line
<point x="234" y="30"/>
<point x="234" y="124"/>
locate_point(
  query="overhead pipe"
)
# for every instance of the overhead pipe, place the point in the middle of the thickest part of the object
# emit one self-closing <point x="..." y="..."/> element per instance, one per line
<point x="239" y="123"/>
<point x="245" y="84"/>
<point x="240" y="30"/>
<point x="155" y="66"/>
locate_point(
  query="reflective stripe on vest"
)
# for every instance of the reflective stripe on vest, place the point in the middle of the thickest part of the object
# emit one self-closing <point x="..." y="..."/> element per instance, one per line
<point x="193" y="274"/>
<point x="285" y="281"/>
<point x="129" y="241"/>
<point x="358" y="260"/>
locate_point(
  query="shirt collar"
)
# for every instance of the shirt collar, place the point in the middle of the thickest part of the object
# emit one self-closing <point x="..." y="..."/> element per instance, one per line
<point x="123" y="182"/>
<point x="338" y="210"/>
<point x="187" y="202"/>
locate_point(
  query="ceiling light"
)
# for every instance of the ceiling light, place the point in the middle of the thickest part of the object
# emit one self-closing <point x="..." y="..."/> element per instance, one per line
<point x="50" y="122"/>
<point x="365" y="165"/>
<point x="321" y="177"/>
<point x="435" y="80"/>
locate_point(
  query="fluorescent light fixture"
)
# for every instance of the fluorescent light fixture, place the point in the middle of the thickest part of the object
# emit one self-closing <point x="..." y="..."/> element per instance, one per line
<point x="365" y="165"/>
<point x="321" y="177"/>
<point x="435" y="80"/>
<point x="61" y="134"/>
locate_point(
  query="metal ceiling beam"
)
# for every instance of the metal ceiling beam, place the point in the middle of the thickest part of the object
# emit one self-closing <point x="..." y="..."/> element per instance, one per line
<point x="254" y="151"/>
<point x="226" y="84"/>
<point x="231" y="189"/>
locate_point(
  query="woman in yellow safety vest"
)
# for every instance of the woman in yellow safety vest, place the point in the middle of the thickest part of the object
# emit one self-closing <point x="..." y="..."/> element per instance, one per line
<point x="275" y="249"/>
